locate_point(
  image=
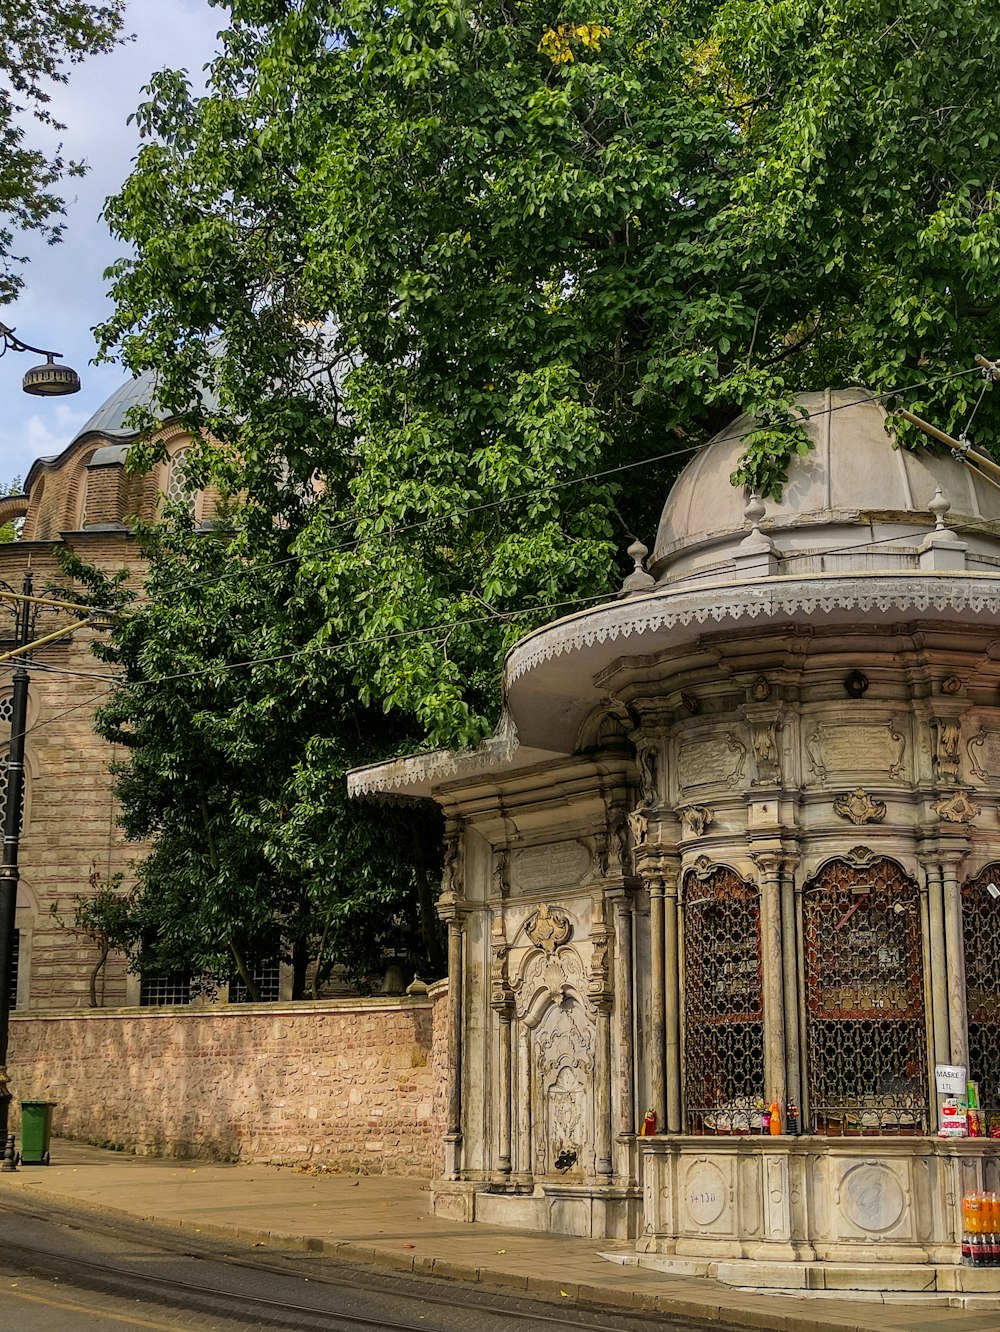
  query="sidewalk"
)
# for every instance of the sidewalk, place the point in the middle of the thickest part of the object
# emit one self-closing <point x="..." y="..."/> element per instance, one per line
<point x="383" y="1220"/>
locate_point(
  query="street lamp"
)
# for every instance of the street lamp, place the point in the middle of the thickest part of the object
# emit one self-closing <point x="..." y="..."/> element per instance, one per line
<point x="44" y="381"/>
<point x="24" y="617"/>
<point x="48" y="380"/>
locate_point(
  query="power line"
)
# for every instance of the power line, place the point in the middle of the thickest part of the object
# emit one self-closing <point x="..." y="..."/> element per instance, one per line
<point x="453" y="515"/>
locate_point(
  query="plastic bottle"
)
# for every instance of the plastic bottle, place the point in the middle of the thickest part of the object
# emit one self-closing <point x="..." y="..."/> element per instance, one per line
<point x="765" y="1120"/>
<point x="991" y="1226"/>
<point x="973" y="1223"/>
<point x="774" y="1128"/>
<point x="967" y="1229"/>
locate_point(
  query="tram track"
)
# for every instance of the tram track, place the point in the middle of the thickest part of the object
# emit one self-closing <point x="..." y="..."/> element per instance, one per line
<point x="329" y="1280"/>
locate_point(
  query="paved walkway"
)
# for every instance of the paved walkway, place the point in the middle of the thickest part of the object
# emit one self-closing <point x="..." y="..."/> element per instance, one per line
<point x="384" y="1220"/>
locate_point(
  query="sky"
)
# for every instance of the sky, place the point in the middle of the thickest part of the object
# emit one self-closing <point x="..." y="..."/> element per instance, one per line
<point x="64" y="295"/>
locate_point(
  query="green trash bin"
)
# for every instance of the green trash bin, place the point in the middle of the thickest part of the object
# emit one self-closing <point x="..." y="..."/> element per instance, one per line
<point x="36" y="1130"/>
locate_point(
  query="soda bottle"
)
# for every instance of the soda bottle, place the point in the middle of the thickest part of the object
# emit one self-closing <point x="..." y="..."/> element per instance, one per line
<point x="972" y="1229"/>
<point x="991" y="1218"/>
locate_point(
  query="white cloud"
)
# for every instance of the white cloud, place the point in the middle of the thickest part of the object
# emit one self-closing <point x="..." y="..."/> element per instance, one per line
<point x="65" y="292"/>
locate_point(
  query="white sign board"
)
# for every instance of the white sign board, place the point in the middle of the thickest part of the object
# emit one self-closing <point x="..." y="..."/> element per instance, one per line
<point x="950" y="1079"/>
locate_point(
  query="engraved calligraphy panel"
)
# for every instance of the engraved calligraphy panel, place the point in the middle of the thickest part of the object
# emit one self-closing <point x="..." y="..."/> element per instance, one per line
<point x="855" y="748"/>
<point x="721" y="761"/>
<point x="551" y="866"/>
<point x="983" y="750"/>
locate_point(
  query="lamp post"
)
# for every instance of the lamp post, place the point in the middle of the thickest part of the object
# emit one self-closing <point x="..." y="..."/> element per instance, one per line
<point x="24" y="613"/>
<point x="48" y="380"/>
<point x="44" y="381"/>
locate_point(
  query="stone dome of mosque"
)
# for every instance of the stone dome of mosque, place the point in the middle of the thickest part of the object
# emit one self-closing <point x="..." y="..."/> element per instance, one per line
<point x="855" y="487"/>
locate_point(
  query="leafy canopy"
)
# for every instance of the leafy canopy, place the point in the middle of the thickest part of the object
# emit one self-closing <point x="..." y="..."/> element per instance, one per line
<point x="456" y="288"/>
<point x="38" y="39"/>
<point x="234" y="775"/>
<point x="464" y="260"/>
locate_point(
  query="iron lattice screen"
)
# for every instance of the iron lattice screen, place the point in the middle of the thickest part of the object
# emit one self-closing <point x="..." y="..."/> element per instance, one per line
<point x="267" y="979"/>
<point x="981" y="931"/>
<point x="865" y="1031"/>
<point x="161" y="990"/>
<point x="723" y="1004"/>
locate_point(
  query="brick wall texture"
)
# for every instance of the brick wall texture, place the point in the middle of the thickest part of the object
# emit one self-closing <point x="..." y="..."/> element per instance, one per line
<point x="351" y="1084"/>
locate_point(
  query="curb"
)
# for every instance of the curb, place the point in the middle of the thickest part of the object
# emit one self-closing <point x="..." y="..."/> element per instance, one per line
<point x="741" y="1313"/>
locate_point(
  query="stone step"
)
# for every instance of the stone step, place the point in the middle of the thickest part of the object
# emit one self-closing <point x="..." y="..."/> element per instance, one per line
<point x="818" y="1278"/>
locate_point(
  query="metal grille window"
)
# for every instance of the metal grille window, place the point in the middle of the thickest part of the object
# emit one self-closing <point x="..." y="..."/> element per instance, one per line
<point x="155" y="991"/>
<point x="981" y="930"/>
<point x="177" y="491"/>
<point x="723" y="1004"/>
<point x="266" y="977"/>
<point x="865" y="1032"/>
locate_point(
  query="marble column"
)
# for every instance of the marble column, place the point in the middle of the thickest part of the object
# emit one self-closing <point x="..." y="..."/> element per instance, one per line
<point x="624" y="1016"/>
<point x="503" y="1094"/>
<point x="772" y="977"/>
<point x="791" y="952"/>
<point x="672" y="1002"/>
<point x="657" y="1010"/>
<point x="958" y="1022"/>
<point x="937" y="954"/>
<point x="453" y="1135"/>
<point x="602" y="1093"/>
<point x="523" y="1170"/>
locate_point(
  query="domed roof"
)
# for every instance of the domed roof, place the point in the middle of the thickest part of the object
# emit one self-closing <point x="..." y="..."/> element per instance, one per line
<point x="109" y="419"/>
<point x="853" y="475"/>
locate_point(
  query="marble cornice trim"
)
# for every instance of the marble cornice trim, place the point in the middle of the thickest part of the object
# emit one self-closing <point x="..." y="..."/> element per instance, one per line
<point x="761" y="599"/>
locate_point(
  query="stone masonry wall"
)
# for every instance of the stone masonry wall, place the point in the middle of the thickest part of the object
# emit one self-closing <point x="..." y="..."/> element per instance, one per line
<point x="353" y="1084"/>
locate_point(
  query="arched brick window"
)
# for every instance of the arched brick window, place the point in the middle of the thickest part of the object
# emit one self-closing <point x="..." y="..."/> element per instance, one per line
<point x="175" y="487"/>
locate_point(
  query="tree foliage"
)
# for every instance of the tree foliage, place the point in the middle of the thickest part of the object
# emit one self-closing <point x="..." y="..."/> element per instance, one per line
<point x="459" y="258"/>
<point x="491" y="271"/>
<point x="38" y="39"/>
<point x="234" y="775"/>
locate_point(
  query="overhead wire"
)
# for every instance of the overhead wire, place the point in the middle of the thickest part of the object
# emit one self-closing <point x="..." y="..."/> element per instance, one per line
<point x="538" y="491"/>
<point x="492" y="617"/>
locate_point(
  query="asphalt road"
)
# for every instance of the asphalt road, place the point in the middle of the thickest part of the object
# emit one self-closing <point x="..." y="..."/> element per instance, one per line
<point x="68" y="1271"/>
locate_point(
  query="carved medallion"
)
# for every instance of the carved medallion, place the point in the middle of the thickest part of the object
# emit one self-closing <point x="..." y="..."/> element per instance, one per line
<point x="696" y="819"/>
<point x="956" y="809"/>
<point x="859" y="807"/>
<point x="548" y="929"/>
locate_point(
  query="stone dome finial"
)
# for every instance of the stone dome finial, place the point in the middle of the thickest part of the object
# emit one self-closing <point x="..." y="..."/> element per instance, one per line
<point x="753" y="511"/>
<point x="638" y="580"/>
<point x="939" y="506"/>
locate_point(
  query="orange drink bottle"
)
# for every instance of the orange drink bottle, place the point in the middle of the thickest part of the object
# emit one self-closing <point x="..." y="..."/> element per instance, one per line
<point x="972" y="1224"/>
<point x="991" y="1212"/>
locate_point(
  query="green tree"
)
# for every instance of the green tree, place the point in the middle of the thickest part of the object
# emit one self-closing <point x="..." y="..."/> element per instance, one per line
<point x="38" y="39"/>
<point x="465" y="263"/>
<point x="458" y="258"/>
<point x="235" y="775"/>
<point x="8" y="531"/>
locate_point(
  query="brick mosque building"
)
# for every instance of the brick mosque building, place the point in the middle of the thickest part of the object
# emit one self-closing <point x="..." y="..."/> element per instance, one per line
<point x="85" y="500"/>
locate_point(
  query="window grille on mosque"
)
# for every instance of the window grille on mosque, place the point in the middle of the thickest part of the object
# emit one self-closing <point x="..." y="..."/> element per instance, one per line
<point x="177" y="490"/>
<point x="980" y="919"/>
<point x="865" y="1022"/>
<point x="156" y="991"/>
<point x="267" y="979"/>
<point x="723" y="1004"/>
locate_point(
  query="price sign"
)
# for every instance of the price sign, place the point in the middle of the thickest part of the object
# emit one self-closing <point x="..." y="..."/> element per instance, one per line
<point x="950" y="1079"/>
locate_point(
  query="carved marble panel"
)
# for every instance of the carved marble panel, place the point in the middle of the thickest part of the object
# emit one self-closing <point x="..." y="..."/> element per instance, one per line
<point x="983" y="751"/>
<point x="557" y="864"/>
<point x="833" y="747"/>
<point x="719" y="761"/>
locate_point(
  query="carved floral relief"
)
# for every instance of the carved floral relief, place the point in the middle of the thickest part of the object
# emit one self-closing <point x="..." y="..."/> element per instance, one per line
<point x="859" y="807"/>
